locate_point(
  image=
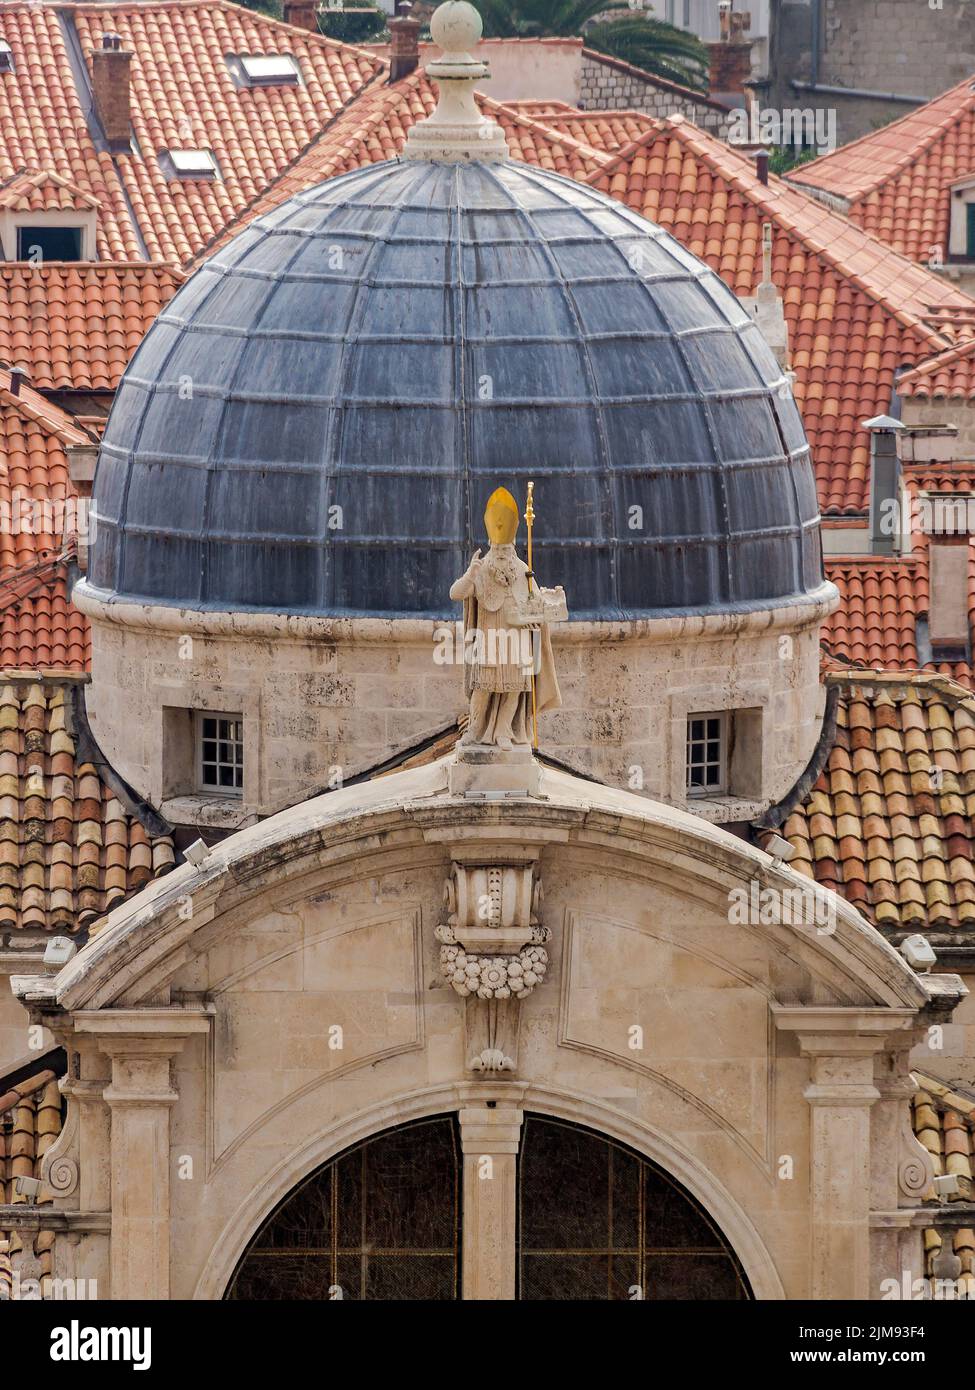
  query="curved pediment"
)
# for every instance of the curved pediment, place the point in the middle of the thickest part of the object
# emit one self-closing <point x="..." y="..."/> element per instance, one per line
<point x="704" y="874"/>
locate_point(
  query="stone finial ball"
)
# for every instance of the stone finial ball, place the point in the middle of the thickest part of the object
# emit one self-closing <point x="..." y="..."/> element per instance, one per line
<point x="456" y="26"/>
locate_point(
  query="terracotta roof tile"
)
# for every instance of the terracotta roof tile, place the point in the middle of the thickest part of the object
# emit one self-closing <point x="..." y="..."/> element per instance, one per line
<point x="183" y="96"/>
<point x="883" y="598"/>
<point x="75" y="326"/>
<point x="855" y="309"/>
<point x="944" y="1122"/>
<point x="896" y="181"/>
<point x="889" y="823"/>
<point x="947" y="375"/>
<point x="39" y="190"/>
<point x="69" y="849"/>
<point x="30" y="1121"/>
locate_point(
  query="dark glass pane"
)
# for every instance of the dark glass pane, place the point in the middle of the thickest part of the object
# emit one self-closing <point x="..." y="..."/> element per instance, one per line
<point x="379" y="1222"/>
<point x="276" y="1277"/>
<point x="598" y="1222"/>
<point x="692" y="1277"/>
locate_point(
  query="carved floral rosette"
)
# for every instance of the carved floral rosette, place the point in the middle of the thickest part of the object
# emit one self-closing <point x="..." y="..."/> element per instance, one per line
<point x="493" y="976"/>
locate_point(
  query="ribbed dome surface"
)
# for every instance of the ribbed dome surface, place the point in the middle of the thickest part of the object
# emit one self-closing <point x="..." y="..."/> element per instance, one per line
<point x="315" y="422"/>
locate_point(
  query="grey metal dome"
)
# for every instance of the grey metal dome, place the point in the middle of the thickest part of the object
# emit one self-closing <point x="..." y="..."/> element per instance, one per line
<point x="315" y="422"/>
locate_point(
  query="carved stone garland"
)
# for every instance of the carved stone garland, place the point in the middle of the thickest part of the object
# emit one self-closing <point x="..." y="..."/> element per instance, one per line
<point x="492" y="953"/>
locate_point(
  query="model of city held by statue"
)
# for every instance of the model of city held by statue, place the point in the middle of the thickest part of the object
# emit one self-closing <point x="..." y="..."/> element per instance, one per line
<point x="509" y="668"/>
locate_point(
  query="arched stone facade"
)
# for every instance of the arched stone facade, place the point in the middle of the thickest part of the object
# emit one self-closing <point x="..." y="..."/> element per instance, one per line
<point x="240" y="1023"/>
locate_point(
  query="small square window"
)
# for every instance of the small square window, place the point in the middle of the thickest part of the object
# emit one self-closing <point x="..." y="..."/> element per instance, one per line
<point x="188" y="164"/>
<point x="707" y="754"/>
<point x="270" y="70"/>
<point x="220" y="759"/>
<point x="49" y="243"/>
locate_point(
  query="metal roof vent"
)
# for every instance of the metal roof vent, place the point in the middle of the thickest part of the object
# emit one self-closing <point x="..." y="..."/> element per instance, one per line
<point x="189" y="164"/>
<point x="270" y="70"/>
<point x="6" y="57"/>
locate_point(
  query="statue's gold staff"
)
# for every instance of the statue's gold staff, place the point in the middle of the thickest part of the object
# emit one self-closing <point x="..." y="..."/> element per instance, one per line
<point x="529" y="519"/>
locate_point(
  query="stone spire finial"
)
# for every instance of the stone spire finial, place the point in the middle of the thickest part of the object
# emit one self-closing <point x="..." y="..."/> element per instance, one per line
<point x="456" y="131"/>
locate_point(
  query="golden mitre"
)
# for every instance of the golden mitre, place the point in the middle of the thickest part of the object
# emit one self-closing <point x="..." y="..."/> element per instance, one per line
<point x="501" y="517"/>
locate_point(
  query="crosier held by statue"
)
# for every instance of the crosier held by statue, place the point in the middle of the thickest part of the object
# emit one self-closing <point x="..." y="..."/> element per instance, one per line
<point x="503" y="631"/>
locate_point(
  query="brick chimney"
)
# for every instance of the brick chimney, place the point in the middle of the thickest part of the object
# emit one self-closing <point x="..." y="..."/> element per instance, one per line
<point x="111" y="89"/>
<point x="730" y="64"/>
<point x="404" y="51"/>
<point x="302" y="14"/>
<point x="948" y="621"/>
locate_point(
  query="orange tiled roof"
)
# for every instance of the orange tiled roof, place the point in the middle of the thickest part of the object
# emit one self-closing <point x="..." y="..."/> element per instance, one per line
<point x="69" y="848"/>
<point x="884" y="596"/>
<point x="30" y="1121"/>
<point x="896" y="181"/>
<point x="183" y="96"/>
<point x="375" y="129"/>
<point x="948" y="375"/>
<point x="75" y="326"/>
<point x="40" y="517"/>
<point x="856" y="310"/>
<point x="944" y="1122"/>
<point x="38" y="190"/>
<point x="889" y="823"/>
<point x="608" y="131"/>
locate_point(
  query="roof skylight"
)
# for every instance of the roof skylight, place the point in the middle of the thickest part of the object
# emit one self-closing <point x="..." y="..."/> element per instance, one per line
<point x="270" y="70"/>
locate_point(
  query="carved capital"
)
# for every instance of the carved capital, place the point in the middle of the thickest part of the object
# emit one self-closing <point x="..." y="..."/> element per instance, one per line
<point x="491" y="936"/>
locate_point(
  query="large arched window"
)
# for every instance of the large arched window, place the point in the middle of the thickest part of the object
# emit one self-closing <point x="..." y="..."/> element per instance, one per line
<point x="597" y="1221"/>
<point x="381" y="1221"/>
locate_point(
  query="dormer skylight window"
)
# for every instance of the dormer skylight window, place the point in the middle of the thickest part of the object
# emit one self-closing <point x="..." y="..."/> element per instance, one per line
<point x="6" y="57"/>
<point x="189" y="164"/>
<point x="270" y="70"/>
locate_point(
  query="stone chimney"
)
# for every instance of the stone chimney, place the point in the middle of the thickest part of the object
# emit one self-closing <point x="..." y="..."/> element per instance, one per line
<point x="111" y="89"/>
<point x="404" y="52"/>
<point x="886" y="520"/>
<point x="730" y="65"/>
<point x="948" y="629"/>
<point x="766" y="306"/>
<point x="301" y="14"/>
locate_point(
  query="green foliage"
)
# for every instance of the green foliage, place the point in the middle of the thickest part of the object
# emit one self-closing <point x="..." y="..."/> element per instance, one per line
<point x="508" y="19"/>
<point x="658" y="48"/>
<point x="783" y="158"/>
<point x="272" y="7"/>
<point x="351" y="27"/>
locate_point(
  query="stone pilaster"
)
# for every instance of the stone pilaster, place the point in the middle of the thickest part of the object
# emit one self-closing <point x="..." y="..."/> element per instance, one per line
<point x="841" y="1045"/>
<point x="490" y="1127"/>
<point x="141" y="1045"/>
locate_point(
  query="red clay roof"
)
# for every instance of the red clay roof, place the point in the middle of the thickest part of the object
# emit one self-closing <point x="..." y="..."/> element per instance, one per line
<point x="896" y="180"/>
<point x="74" y="326"/>
<point x="38" y="190"/>
<point x="949" y="375"/>
<point x="890" y="822"/>
<point x="183" y="97"/>
<point x="856" y="310"/>
<point x="39" y="520"/>
<point x="883" y="597"/>
<point x="374" y="129"/>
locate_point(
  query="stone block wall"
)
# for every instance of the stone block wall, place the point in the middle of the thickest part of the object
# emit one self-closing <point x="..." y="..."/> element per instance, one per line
<point x="323" y="699"/>
<point x="608" y="85"/>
